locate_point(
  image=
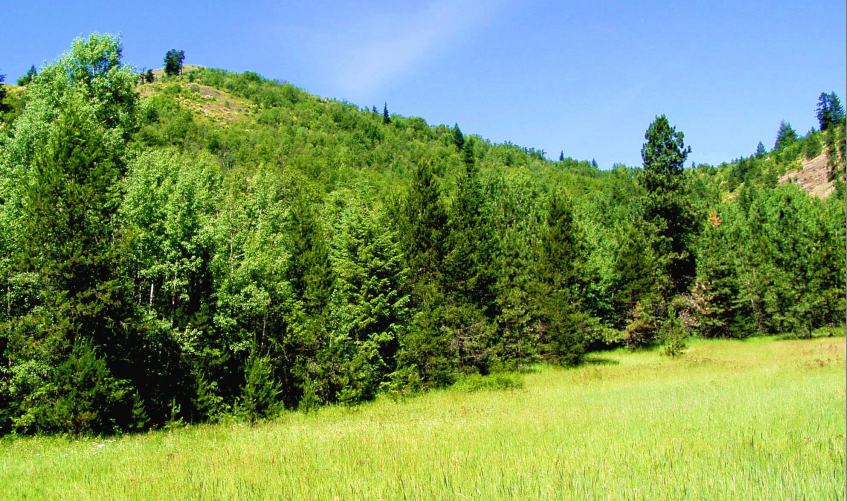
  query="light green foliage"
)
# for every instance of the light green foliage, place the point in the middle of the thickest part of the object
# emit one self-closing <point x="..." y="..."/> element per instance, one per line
<point x="223" y="222"/>
<point x="624" y="426"/>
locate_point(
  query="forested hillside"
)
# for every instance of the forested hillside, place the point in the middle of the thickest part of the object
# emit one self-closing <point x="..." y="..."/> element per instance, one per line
<point x="176" y="249"/>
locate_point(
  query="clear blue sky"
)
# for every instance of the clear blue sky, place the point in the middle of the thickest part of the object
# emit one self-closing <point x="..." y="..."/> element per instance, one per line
<point x="583" y="77"/>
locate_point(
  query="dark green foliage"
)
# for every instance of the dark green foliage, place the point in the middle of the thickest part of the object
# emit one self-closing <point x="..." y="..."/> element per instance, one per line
<point x="760" y="150"/>
<point x="80" y="397"/>
<point x="561" y="259"/>
<point x="458" y="137"/>
<point x="829" y="111"/>
<point x="635" y="272"/>
<point x="297" y="252"/>
<point x="386" y="118"/>
<point x="785" y="136"/>
<point x="666" y="207"/>
<point x="309" y="270"/>
<point x="28" y="76"/>
<point x="148" y="76"/>
<point x="260" y="393"/>
<point x="173" y="62"/>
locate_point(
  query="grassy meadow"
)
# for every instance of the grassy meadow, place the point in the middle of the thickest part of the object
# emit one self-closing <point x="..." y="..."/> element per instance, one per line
<point x="758" y="419"/>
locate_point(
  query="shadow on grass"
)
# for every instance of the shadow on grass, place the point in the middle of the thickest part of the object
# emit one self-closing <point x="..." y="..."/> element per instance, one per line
<point x="598" y="360"/>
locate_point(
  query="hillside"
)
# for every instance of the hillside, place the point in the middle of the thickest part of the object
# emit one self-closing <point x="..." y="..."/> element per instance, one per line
<point x="814" y="177"/>
<point x="219" y="245"/>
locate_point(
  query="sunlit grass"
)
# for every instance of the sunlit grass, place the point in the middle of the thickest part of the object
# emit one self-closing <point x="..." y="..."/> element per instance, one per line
<point x="762" y="419"/>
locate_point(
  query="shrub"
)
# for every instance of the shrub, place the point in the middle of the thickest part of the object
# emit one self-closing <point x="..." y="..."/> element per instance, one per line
<point x="502" y="381"/>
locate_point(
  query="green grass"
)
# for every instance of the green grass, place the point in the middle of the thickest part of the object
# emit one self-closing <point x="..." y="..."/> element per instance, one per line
<point x="761" y="419"/>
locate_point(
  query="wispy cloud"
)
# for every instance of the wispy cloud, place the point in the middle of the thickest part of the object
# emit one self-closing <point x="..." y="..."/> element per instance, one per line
<point x="382" y="54"/>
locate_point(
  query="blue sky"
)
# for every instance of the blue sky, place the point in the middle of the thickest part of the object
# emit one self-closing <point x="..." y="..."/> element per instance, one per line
<point x="583" y="77"/>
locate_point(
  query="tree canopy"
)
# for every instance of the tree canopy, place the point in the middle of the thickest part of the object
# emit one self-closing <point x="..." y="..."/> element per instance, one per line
<point x="173" y="62"/>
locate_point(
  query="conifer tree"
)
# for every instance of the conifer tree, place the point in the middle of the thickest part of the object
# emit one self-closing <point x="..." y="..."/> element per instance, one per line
<point x="634" y="272"/>
<point x="666" y="206"/>
<point x="829" y="111"/>
<point x="424" y="227"/>
<point x="760" y="150"/>
<point x="28" y="76"/>
<point x="785" y="136"/>
<point x="173" y="62"/>
<point x="560" y="267"/>
<point x="386" y="118"/>
<point x="310" y="269"/>
<point x="458" y="137"/>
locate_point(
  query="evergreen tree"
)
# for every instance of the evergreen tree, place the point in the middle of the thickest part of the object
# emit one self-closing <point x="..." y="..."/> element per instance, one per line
<point x="426" y="351"/>
<point x="634" y="272"/>
<point x="173" y="62"/>
<point x="560" y="267"/>
<point x="785" y="136"/>
<point x="386" y="118"/>
<point x="424" y="229"/>
<point x="760" y="150"/>
<point x="148" y="76"/>
<point x="562" y="156"/>
<point x="260" y="393"/>
<point x="28" y="76"/>
<point x="666" y="206"/>
<point x="829" y="111"/>
<point x="458" y="137"/>
<point x="310" y="269"/>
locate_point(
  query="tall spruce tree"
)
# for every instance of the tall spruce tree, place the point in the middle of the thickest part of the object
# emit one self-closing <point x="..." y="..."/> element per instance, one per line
<point x="310" y="269"/>
<point x="458" y="137"/>
<point x="560" y="268"/>
<point x="666" y="206"/>
<point x="386" y="118"/>
<point x="829" y="111"/>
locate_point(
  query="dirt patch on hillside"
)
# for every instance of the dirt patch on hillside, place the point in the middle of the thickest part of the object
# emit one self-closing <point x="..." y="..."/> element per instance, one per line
<point x="813" y="177"/>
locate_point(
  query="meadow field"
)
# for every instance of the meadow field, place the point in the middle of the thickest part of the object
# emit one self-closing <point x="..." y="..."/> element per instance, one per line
<point x="758" y="419"/>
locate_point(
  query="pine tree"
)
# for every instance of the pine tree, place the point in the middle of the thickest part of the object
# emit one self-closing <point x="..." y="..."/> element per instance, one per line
<point x="424" y="227"/>
<point x="458" y="137"/>
<point x="310" y="269"/>
<point x="560" y="269"/>
<point x="173" y="62"/>
<point x="260" y="393"/>
<point x="829" y="111"/>
<point x="386" y="118"/>
<point x="760" y="150"/>
<point x="666" y="206"/>
<point x="562" y="156"/>
<point x="785" y="136"/>
<point x="634" y="272"/>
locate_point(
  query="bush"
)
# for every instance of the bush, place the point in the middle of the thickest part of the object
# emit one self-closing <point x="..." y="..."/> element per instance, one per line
<point x="259" y="395"/>
<point x="493" y="382"/>
<point x="82" y="397"/>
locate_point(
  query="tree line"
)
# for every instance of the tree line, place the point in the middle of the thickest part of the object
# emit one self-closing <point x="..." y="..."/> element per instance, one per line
<point x="161" y="267"/>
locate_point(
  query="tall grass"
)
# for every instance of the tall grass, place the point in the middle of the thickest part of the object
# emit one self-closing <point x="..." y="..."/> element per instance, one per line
<point x="762" y="419"/>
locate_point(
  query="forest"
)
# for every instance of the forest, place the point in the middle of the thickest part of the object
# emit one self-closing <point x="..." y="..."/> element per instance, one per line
<point x="187" y="246"/>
